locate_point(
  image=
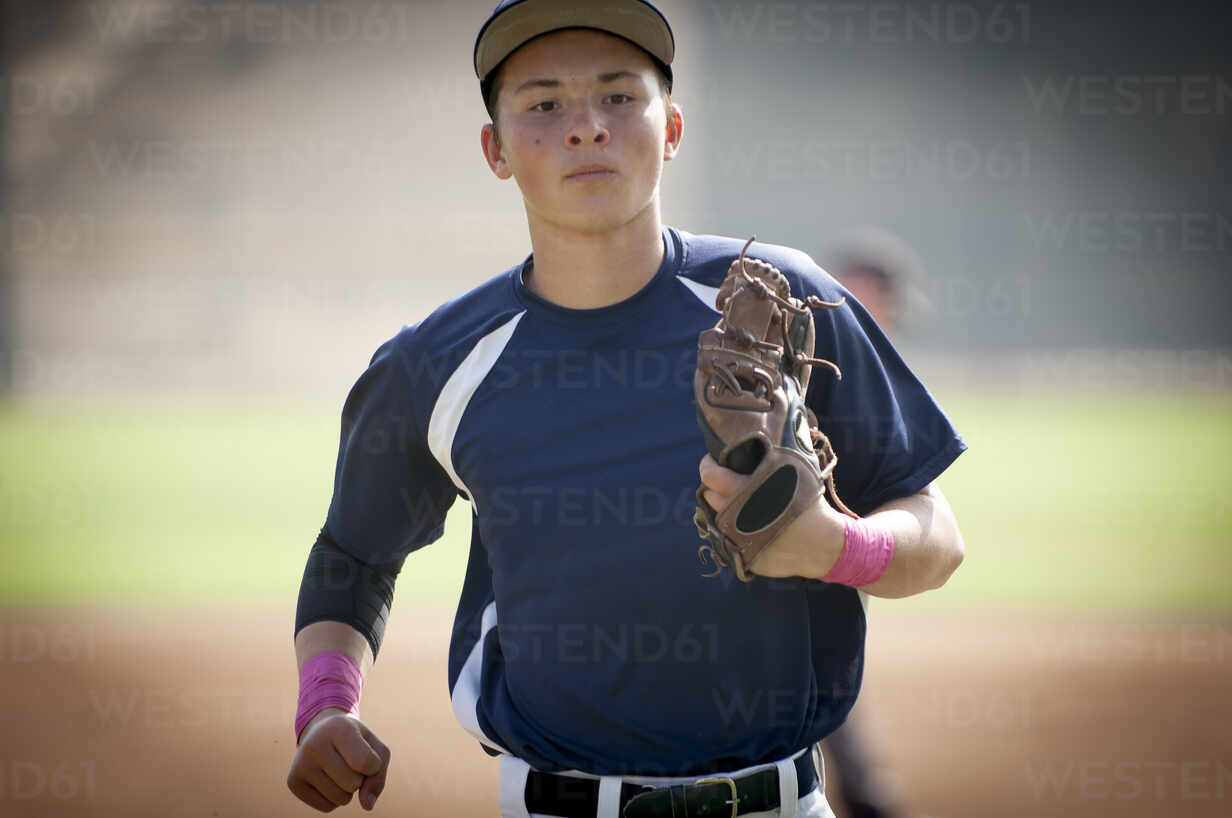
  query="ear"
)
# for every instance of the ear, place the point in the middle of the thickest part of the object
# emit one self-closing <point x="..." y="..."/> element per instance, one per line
<point x="492" y="152"/>
<point x="675" y="129"/>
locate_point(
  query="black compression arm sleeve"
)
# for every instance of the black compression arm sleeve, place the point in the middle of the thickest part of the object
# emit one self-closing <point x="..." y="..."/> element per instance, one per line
<point x="340" y="588"/>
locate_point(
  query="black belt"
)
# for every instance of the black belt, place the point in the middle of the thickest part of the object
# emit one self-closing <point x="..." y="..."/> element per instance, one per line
<point x="716" y="795"/>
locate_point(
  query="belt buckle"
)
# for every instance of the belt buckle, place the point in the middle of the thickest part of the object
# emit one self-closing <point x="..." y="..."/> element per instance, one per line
<point x="731" y="784"/>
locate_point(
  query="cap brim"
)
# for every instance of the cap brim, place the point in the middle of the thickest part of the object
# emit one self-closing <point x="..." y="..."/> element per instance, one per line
<point x="637" y="22"/>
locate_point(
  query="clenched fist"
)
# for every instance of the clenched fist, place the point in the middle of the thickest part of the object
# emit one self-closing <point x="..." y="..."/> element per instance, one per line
<point x="338" y="755"/>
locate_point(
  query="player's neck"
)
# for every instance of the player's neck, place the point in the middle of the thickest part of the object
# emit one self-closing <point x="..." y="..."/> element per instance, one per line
<point x="591" y="270"/>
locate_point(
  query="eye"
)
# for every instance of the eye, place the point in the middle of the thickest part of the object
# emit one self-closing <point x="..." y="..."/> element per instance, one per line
<point x="620" y="99"/>
<point x="544" y="107"/>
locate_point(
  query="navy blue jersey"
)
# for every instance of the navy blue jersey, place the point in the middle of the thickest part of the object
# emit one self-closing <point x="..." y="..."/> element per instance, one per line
<point x="586" y="637"/>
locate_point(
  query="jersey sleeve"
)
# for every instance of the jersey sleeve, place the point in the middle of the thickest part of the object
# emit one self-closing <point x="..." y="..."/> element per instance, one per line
<point x="390" y="494"/>
<point x="891" y="437"/>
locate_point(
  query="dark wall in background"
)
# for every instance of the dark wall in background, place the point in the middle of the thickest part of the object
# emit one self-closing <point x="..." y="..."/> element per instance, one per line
<point x="1064" y="169"/>
<point x="239" y="196"/>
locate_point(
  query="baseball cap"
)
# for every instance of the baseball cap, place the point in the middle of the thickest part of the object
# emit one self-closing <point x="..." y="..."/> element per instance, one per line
<point x="515" y="22"/>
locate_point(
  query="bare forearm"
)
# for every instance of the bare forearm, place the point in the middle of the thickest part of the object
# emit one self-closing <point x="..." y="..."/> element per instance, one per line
<point x="333" y="637"/>
<point x="928" y="546"/>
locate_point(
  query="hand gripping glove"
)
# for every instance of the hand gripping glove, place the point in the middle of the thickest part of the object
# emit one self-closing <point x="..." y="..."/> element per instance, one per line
<point x="752" y="374"/>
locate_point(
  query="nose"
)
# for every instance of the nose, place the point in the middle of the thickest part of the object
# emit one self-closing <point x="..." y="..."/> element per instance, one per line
<point x="587" y="129"/>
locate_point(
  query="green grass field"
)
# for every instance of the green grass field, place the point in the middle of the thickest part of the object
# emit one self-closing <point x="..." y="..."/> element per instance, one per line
<point x="1096" y="500"/>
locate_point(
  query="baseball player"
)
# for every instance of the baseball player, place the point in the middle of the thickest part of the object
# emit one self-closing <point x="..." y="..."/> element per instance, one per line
<point x="883" y="273"/>
<point x="589" y="653"/>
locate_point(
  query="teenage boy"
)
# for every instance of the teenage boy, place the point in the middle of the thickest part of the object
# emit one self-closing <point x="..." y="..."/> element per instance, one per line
<point x="588" y="652"/>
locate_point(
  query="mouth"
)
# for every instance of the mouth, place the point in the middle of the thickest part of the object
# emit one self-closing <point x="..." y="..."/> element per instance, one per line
<point x="590" y="173"/>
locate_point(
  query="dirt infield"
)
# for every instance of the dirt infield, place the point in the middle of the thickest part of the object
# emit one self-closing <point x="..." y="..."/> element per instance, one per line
<point x="186" y="713"/>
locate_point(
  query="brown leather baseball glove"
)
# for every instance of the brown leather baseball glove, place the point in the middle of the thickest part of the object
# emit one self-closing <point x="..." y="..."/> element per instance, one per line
<point x="752" y="373"/>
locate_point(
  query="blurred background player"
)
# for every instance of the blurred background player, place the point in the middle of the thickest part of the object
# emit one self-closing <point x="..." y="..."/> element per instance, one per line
<point x="885" y="274"/>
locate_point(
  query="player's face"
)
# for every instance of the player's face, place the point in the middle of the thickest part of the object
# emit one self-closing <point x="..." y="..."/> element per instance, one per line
<point x="583" y="130"/>
<point x="871" y="291"/>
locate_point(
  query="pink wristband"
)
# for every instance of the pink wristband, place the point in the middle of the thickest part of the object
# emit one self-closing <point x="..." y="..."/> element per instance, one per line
<point x="327" y="680"/>
<point x="867" y="551"/>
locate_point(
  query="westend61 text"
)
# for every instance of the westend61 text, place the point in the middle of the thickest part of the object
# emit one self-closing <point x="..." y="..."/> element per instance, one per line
<point x="874" y="23"/>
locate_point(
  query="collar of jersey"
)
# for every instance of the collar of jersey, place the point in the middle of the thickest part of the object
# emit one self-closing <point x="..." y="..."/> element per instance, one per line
<point x="673" y="257"/>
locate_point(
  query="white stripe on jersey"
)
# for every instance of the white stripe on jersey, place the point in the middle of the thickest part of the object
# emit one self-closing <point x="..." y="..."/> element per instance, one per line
<point x="465" y="693"/>
<point x="704" y="294"/>
<point x="457" y="393"/>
